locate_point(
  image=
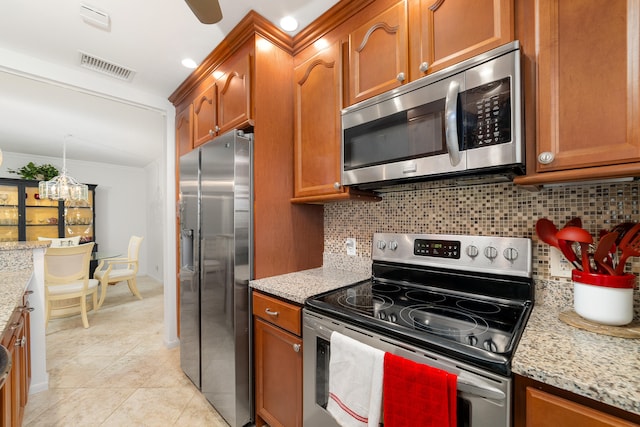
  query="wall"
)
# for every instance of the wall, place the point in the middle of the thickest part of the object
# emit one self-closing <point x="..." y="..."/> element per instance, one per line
<point x="491" y="209"/>
<point x="121" y="202"/>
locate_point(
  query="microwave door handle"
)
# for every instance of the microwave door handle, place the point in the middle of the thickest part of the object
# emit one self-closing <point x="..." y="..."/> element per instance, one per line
<point x="451" y="123"/>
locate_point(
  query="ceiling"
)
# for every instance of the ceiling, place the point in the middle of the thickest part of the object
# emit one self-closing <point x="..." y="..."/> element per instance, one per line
<point x="47" y="98"/>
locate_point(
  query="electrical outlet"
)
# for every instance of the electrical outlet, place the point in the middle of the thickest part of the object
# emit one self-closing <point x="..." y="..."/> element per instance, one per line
<point x="558" y="264"/>
<point x="350" y="243"/>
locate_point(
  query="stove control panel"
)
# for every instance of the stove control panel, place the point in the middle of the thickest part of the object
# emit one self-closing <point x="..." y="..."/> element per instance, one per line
<point x="490" y="254"/>
<point x="436" y="248"/>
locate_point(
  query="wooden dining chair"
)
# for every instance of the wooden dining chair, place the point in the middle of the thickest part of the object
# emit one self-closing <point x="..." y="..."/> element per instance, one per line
<point x="114" y="270"/>
<point x="66" y="277"/>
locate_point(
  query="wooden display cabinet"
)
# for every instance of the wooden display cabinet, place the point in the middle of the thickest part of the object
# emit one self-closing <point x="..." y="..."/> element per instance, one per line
<point x="25" y="217"/>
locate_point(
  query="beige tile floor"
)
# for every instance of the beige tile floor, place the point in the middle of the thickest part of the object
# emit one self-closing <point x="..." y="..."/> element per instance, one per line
<point x="118" y="371"/>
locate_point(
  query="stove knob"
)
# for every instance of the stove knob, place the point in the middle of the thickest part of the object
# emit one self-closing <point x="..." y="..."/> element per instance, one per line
<point x="511" y="254"/>
<point x="382" y="315"/>
<point x="472" y="251"/>
<point x="490" y="345"/>
<point x="393" y="318"/>
<point x="472" y="340"/>
<point x="393" y="245"/>
<point x="382" y="244"/>
<point x="490" y="252"/>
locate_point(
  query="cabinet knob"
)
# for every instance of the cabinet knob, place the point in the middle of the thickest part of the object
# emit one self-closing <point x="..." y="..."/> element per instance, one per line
<point x="211" y="132"/>
<point x="546" y="157"/>
<point x="21" y="342"/>
<point x="217" y="129"/>
<point x="296" y="348"/>
<point x="336" y="185"/>
<point x="400" y="77"/>
<point x="424" y="67"/>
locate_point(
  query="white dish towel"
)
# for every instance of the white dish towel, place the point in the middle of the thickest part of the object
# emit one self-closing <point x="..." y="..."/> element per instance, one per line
<point x="355" y="382"/>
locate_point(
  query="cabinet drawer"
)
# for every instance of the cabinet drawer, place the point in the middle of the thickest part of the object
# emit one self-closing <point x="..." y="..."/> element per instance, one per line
<point x="280" y="313"/>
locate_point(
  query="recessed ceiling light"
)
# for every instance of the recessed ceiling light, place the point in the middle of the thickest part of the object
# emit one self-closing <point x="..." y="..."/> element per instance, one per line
<point x="189" y="63"/>
<point x="289" y="23"/>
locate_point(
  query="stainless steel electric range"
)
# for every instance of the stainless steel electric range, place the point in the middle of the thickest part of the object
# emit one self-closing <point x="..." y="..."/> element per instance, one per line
<point x="457" y="303"/>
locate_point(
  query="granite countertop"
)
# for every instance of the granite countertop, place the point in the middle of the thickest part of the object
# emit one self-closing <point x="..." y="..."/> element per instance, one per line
<point x="597" y="366"/>
<point x="299" y="286"/>
<point x="13" y="284"/>
<point x="16" y="268"/>
<point x="601" y="367"/>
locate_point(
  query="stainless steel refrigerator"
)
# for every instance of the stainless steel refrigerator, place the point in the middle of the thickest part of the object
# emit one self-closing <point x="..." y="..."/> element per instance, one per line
<point x="215" y="269"/>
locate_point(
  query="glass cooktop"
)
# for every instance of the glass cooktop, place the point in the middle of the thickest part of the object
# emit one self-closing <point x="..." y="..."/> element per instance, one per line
<point x="472" y="326"/>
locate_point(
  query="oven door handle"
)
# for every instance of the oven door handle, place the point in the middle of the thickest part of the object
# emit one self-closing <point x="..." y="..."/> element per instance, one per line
<point x="479" y="388"/>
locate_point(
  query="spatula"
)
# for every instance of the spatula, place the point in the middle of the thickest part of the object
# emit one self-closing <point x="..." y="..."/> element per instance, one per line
<point x="601" y="254"/>
<point x="630" y="246"/>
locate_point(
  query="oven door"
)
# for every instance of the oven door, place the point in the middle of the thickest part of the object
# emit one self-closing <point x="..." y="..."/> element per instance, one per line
<point x="407" y="135"/>
<point x="484" y="399"/>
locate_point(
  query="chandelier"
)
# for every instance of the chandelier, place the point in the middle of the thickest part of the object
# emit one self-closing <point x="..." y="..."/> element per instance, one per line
<point x="63" y="186"/>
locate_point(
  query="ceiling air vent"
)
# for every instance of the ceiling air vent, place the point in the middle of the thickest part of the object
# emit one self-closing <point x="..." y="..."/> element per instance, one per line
<point x="105" y="67"/>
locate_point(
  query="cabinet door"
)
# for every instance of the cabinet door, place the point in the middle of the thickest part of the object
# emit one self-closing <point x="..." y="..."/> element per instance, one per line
<point x="317" y="149"/>
<point x="378" y="54"/>
<point x="445" y="32"/>
<point x="42" y="216"/>
<point x="278" y="370"/>
<point x="545" y="409"/>
<point x="12" y="394"/>
<point x="234" y="93"/>
<point x="588" y="92"/>
<point x="204" y="116"/>
<point x="78" y="219"/>
<point x="184" y="130"/>
<point x="9" y="213"/>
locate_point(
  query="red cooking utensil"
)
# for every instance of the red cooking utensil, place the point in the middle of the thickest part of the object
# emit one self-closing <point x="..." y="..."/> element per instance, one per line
<point x="630" y="246"/>
<point x="601" y="255"/>
<point x="547" y="232"/>
<point x="582" y="236"/>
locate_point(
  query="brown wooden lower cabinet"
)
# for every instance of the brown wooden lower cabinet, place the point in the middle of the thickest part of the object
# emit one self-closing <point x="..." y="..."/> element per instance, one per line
<point x="541" y="405"/>
<point x="278" y="362"/>
<point x="14" y="393"/>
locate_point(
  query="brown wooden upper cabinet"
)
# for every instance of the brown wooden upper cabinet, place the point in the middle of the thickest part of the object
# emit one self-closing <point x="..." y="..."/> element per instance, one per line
<point x="318" y="131"/>
<point x="414" y="38"/>
<point x="234" y="92"/>
<point x="317" y="124"/>
<point x="204" y="116"/>
<point x="587" y="92"/>
<point x="445" y="32"/>
<point x="378" y="56"/>
<point x="184" y="130"/>
<point x="223" y="104"/>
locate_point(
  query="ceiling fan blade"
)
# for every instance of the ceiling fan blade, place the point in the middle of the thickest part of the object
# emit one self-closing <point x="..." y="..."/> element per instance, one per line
<point x="207" y="11"/>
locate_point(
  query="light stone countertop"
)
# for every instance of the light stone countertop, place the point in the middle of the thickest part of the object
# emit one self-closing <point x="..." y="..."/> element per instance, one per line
<point x="16" y="268"/>
<point x="299" y="286"/>
<point x="603" y="368"/>
<point x="13" y="284"/>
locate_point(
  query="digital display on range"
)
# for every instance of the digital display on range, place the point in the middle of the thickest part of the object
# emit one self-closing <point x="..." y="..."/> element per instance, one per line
<point x="437" y="248"/>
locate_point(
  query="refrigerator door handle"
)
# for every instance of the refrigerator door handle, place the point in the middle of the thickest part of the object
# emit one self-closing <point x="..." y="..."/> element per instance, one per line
<point x="186" y="241"/>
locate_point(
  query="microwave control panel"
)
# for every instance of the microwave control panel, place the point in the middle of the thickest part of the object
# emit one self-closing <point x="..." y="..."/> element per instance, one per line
<point x="487" y="114"/>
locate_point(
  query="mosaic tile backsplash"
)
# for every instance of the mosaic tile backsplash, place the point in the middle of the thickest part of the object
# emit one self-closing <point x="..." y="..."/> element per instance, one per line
<point x="498" y="209"/>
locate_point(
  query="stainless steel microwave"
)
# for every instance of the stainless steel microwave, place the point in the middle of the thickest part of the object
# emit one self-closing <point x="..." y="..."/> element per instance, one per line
<point x="466" y="119"/>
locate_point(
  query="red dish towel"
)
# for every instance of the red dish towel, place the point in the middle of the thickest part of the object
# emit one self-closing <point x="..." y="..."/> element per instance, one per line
<point x="417" y="395"/>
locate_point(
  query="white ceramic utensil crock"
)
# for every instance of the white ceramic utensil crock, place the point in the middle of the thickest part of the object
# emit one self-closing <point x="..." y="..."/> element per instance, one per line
<point x="603" y="298"/>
